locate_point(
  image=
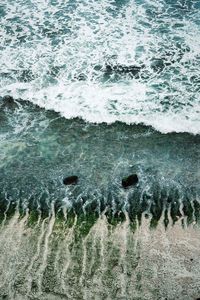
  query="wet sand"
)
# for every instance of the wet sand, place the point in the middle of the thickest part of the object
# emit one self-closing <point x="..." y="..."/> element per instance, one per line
<point x="52" y="261"/>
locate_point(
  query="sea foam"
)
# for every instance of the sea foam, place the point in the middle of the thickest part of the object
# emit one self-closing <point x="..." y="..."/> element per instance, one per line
<point x="55" y="54"/>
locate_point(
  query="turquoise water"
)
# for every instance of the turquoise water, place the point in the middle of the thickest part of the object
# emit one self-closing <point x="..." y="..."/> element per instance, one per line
<point x="105" y="89"/>
<point x="39" y="148"/>
<point x="100" y="90"/>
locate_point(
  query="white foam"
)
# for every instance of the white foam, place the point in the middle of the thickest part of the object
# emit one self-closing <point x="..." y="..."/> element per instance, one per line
<point x="89" y="33"/>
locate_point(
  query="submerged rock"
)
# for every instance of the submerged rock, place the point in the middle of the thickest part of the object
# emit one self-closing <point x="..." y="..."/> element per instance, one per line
<point x="70" y="180"/>
<point x="129" y="180"/>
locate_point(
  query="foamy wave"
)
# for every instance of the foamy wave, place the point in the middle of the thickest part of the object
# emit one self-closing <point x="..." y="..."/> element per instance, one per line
<point x="46" y="51"/>
<point x="129" y="103"/>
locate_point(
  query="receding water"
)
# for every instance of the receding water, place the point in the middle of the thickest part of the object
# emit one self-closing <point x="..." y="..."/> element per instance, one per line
<point x="93" y="240"/>
<point x="55" y="260"/>
<point x="39" y="148"/>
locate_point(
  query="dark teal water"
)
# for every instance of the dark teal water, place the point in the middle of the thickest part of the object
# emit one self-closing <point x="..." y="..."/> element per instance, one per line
<point x="39" y="148"/>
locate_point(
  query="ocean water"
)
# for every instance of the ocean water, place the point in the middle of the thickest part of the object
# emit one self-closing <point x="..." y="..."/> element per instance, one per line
<point x="100" y="90"/>
<point x="55" y="53"/>
<point x="39" y="148"/>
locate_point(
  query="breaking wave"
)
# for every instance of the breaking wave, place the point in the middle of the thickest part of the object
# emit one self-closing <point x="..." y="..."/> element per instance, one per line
<point x="79" y="59"/>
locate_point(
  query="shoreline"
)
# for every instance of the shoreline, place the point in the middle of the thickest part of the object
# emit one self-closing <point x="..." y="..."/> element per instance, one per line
<point x="95" y="239"/>
<point x="52" y="261"/>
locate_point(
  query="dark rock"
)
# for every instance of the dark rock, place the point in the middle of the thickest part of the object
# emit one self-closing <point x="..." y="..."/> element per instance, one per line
<point x="70" y="180"/>
<point x="129" y="180"/>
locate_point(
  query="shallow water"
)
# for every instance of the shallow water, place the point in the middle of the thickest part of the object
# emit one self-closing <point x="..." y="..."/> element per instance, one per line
<point x="37" y="156"/>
